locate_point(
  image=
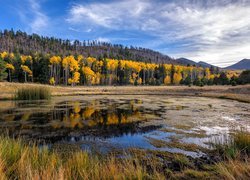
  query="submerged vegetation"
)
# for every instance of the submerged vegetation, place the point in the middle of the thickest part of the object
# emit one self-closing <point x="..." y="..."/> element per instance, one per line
<point x="33" y="93"/>
<point x="26" y="161"/>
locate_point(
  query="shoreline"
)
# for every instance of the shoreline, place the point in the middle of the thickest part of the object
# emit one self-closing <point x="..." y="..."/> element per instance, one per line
<point x="240" y="93"/>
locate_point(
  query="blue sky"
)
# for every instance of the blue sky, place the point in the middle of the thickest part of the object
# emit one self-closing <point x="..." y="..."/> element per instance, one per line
<point x="215" y="31"/>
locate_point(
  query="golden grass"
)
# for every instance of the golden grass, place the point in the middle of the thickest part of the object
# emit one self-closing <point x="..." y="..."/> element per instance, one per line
<point x="20" y="161"/>
<point x="234" y="169"/>
<point x="240" y="93"/>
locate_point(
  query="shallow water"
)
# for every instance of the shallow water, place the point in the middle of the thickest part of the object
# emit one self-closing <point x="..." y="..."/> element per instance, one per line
<point x="104" y="123"/>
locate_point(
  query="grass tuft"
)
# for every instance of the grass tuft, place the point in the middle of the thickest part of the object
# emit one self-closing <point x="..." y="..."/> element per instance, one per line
<point x="237" y="145"/>
<point x="33" y="93"/>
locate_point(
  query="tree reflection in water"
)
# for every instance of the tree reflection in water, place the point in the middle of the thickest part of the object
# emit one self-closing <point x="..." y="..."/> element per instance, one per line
<point x="96" y="118"/>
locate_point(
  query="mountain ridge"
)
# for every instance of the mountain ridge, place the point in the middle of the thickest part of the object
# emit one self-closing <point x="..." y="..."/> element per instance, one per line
<point x="186" y="61"/>
<point x="243" y="64"/>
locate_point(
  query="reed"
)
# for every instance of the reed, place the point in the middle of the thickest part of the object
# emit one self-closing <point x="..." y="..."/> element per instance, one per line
<point x="33" y="93"/>
<point x="19" y="160"/>
<point x="22" y="161"/>
<point x="235" y="146"/>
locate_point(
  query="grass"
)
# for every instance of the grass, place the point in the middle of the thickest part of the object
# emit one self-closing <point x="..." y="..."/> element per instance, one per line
<point x="19" y="160"/>
<point x="200" y="133"/>
<point x="234" y="169"/>
<point x="175" y="143"/>
<point x="235" y="146"/>
<point x="237" y="93"/>
<point x="33" y="93"/>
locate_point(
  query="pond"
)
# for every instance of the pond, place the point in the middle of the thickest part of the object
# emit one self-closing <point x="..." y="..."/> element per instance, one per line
<point x="105" y="123"/>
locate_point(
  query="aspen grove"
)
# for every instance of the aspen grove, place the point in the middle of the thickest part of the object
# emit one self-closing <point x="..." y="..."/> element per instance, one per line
<point x="79" y="70"/>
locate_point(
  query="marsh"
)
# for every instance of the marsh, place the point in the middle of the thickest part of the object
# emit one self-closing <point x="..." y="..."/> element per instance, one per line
<point x="106" y="123"/>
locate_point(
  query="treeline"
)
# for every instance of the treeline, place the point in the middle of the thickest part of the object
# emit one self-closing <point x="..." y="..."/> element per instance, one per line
<point x="22" y="43"/>
<point x="80" y="70"/>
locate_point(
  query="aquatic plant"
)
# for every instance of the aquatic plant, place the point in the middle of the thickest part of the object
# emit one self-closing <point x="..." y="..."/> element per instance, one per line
<point x="33" y="93"/>
<point x="238" y="144"/>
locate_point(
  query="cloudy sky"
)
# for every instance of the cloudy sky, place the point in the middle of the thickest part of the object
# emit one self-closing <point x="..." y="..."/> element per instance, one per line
<point x="215" y="31"/>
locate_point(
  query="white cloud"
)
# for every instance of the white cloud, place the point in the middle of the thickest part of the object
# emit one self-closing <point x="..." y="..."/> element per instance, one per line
<point x="40" y="20"/>
<point x="214" y="31"/>
<point x="34" y="18"/>
<point x="103" y="39"/>
<point x="74" y="29"/>
<point x="109" y="15"/>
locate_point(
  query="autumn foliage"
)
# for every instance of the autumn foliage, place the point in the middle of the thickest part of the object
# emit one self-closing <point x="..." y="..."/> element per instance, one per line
<point x="80" y="70"/>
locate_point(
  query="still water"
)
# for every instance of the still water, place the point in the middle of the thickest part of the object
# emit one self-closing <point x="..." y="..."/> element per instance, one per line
<point x="104" y="123"/>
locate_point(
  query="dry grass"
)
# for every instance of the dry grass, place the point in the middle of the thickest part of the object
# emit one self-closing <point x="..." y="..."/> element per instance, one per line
<point x="20" y="161"/>
<point x="234" y="169"/>
<point x="236" y="93"/>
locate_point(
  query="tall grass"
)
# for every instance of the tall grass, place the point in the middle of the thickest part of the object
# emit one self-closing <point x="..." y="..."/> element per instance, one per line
<point x="20" y="161"/>
<point x="235" y="146"/>
<point x="33" y="93"/>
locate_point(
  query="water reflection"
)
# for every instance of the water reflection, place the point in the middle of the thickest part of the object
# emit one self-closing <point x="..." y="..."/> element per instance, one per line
<point x="97" y="117"/>
<point x="105" y="122"/>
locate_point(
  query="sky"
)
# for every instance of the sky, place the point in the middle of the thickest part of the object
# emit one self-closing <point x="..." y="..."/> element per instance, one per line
<point x="214" y="31"/>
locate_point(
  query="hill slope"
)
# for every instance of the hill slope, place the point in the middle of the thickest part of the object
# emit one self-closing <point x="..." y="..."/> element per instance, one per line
<point x="241" y="65"/>
<point x="186" y="61"/>
<point x="20" y="42"/>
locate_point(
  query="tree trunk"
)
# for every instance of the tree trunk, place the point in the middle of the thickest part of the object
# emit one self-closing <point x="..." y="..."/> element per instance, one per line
<point x="9" y="75"/>
<point x="25" y="77"/>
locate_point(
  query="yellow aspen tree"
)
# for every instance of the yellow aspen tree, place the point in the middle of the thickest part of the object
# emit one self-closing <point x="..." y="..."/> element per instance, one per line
<point x="75" y="78"/>
<point x="79" y="58"/>
<point x="10" y="68"/>
<point x="177" y="78"/>
<point x="207" y="73"/>
<point x="55" y="62"/>
<point x="25" y="59"/>
<point x="11" y="56"/>
<point x="66" y="65"/>
<point x="97" y="78"/>
<point x="52" y="81"/>
<point x="167" y="80"/>
<point x="89" y="74"/>
<point x="26" y="71"/>
<point x="73" y="64"/>
<point x="4" y="55"/>
<point x="139" y="81"/>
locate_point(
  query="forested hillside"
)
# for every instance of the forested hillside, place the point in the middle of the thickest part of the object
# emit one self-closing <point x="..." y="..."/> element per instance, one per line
<point x="21" y="42"/>
<point x="74" y="70"/>
<point x="32" y="58"/>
